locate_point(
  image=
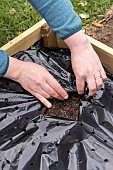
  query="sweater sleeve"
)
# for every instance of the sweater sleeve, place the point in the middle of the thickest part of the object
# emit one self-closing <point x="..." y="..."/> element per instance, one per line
<point x="4" y="63"/>
<point x="59" y="15"/>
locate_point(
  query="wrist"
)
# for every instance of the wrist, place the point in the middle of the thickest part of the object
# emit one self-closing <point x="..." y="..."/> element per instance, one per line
<point x="77" y="40"/>
<point x="14" y="70"/>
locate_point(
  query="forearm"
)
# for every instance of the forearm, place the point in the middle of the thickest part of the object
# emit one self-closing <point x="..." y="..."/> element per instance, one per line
<point x="59" y="15"/>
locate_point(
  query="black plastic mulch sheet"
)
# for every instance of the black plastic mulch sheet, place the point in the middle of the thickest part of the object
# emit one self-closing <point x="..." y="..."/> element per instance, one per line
<point x="31" y="141"/>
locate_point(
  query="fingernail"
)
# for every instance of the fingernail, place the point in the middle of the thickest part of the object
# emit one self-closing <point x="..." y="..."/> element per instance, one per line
<point x="49" y="105"/>
<point x="66" y="97"/>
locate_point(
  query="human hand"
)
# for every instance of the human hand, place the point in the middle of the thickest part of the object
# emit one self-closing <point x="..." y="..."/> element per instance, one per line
<point x="85" y="63"/>
<point x="37" y="80"/>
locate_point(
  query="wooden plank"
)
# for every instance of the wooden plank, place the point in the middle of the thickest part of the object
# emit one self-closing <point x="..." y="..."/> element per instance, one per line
<point x="49" y="37"/>
<point x="104" y="52"/>
<point x="24" y="40"/>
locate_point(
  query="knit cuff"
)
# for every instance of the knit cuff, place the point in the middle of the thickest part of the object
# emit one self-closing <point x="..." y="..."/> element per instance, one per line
<point x="4" y="63"/>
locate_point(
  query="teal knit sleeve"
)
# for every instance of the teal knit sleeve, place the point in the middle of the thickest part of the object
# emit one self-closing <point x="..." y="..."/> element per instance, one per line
<point x="4" y="63"/>
<point x="59" y="15"/>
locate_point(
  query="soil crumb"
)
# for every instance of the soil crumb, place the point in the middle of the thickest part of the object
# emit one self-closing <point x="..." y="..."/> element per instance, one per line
<point x="104" y="33"/>
<point x="66" y="109"/>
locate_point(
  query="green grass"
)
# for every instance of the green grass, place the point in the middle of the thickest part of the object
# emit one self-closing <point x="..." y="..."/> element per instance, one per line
<point x="17" y="15"/>
<point x="95" y="9"/>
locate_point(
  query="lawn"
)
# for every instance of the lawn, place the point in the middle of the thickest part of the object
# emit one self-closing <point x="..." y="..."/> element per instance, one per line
<point x="17" y="16"/>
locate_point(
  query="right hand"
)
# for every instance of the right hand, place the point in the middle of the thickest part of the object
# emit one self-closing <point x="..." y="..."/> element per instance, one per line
<point x="85" y="63"/>
<point x="37" y="80"/>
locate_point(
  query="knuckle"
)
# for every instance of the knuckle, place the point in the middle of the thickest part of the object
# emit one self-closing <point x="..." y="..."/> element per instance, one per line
<point x="47" y="96"/>
<point x="81" y="75"/>
<point x="104" y="77"/>
<point x="100" y="84"/>
<point x="35" y="88"/>
<point x="37" y="82"/>
<point x="51" y="92"/>
<point x="60" y="98"/>
<point x="58" y="90"/>
<point x="55" y="95"/>
<point x="80" y="92"/>
<point x="91" y="94"/>
<point x="93" y="89"/>
<point x="56" y="87"/>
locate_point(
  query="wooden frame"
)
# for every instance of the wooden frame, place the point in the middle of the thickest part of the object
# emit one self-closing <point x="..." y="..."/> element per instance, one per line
<point x="33" y="34"/>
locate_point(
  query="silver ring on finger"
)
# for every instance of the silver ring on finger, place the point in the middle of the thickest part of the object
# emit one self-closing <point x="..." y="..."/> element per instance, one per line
<point x="97" y="78"/>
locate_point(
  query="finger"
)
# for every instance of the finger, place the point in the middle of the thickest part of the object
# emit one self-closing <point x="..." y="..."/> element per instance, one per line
<point x="42" y="99"/>
<point x="92" y="86"/>
<point x="102" y="72"/>
<point x="52" y="82"/>
<point x="42" y="92"/>
<point x="51" y="91"/>
<point x="99" y="83"/>
<point x="98" y="80"/>
<point x="80" y="83"/>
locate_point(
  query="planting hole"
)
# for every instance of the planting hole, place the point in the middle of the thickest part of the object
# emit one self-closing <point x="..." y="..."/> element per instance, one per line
<point x="105" y="141"/>
<point x="56" y="162"/>
<point x="31" y="164"/>
<point x="34" y="121"/>
<point x="27" y="118"/>
<point x="7" y="161"/>
<point x="80" y="104"/>
<point x="68" y="151"/>
<point x="93" y="132"/>
<point x="16" y="108"/>
<point x="106" y="160"/>
<point x="80" y="161"/>
<point x="6" y="99"/>
<point x="81" y="124"/>
<point x="44" y="152"/>
<point x="11" y="138"/>
<point x="57" y="124"/>
<point x="45" y="134"/>
<point x="33" y="143"/>
<point x="103" y="122"/>
<point x="57" y="144"/>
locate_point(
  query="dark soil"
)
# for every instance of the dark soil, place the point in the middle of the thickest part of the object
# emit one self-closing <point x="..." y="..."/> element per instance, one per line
<point x="104" y="33"/>
<point x="66" y="109"/>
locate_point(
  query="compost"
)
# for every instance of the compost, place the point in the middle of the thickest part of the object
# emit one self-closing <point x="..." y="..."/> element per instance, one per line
<point x="67" y="109"/>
